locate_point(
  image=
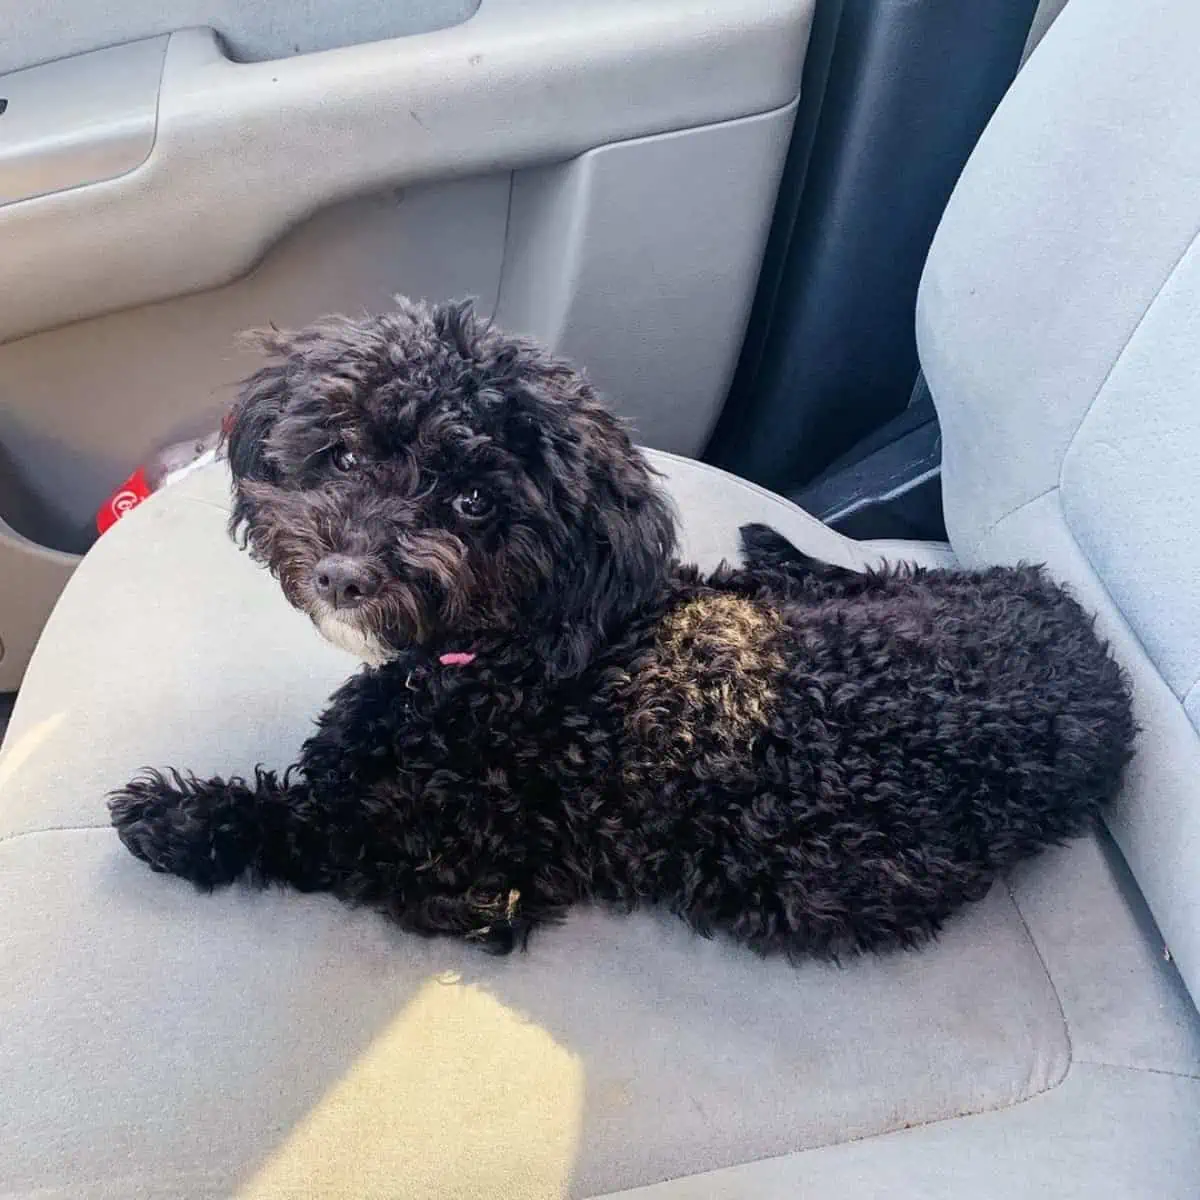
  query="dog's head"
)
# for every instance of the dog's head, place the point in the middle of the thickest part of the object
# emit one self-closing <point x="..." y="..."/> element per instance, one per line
<point x="422" y="479"/>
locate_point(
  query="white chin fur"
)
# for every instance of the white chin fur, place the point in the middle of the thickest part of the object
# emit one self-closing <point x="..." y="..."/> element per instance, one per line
<point x="350" y="638"/>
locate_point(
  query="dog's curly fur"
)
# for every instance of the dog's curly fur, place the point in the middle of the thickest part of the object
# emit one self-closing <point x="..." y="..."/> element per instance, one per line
<point x="810" y="759"/>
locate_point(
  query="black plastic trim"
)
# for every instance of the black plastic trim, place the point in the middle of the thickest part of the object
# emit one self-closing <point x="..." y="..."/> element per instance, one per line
<point x="893" y="490"/>
<point x="897" y="94"/>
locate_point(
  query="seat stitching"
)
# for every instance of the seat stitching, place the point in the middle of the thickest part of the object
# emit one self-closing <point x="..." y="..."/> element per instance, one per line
<point x="1012" y="512"/>
<point x="221" y="508"/>
<point x="936" y="1121"/>
<point x="1182" y="694"/>
<point x="1120" y="354"/>
<point x="26" y="833"/>
<point x="1100" y="1062"/>
<point x="1062" y="1013"/>
<point x="1117" y="613"/>
<point x="987" y="1109"/>
<point x="1116" y="362"/>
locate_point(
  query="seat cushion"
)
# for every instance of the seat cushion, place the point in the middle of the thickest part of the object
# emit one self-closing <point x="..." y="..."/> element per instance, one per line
<point x="156" y="1041"/>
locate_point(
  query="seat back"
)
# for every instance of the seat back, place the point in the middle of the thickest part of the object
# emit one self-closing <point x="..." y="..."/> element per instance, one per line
<point x="1059" y="329"/>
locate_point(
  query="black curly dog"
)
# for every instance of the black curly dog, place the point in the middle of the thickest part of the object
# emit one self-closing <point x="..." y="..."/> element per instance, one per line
<point x="810" y="759"/>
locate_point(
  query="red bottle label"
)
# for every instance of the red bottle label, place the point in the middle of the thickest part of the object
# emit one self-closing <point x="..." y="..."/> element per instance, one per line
<point x="129" y="495"/>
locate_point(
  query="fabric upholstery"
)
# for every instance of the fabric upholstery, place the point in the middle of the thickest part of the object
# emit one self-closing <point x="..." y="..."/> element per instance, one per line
<point x="1121" y="1125"/>
<point x="1068" y="220"/>
<point x="1056" y="325"/>
<point x="1106" y="1134"/>
<point x="1108" y="962"/>
<point x="154" y="1041"/>
<point x="1129" y="484"/>
<point x="1156" y="820"/>
<point x="265" y="1039"/>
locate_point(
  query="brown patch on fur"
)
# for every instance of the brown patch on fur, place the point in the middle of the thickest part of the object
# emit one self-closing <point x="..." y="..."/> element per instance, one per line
<point x="710" y="686"/>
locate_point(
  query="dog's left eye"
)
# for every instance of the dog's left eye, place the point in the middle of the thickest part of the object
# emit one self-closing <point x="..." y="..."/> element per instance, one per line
<point x="344" y="458"/>
<point x="473" y="504"/>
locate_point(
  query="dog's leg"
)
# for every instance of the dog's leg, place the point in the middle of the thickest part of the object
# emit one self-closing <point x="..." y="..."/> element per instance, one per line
<point x="765" y="549"/>
<point x="768" y="552"/>
<point x="269" y="830"/>
<point x="346" y="820"/>
<point x="497" y="921"/>
<point x="213" y="831"/>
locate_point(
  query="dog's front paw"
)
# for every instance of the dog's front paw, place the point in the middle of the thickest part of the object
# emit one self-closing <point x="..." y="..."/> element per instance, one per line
<point x="508" y="925"/>
<point x="174" y="825"/>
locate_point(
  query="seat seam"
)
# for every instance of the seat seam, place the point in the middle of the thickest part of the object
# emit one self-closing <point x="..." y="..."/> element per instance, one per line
<point x="1108" y="374"/>
<point x="900" y="1129"/>
<point x="1116" y="1066"/>
<point x="221" y="508"/>
<point x="1072" y="1058"/>
<point x="971" y="1112"/>
<point x="28" y="833"/>
<point x="1120" y="354"/>
<point x="1062" y="466"/>
<point x="1062" y="1012"/>
<point x="1012" y="512"/>
<point x="1117" y="615"/>
<point x="1119" y="612"/>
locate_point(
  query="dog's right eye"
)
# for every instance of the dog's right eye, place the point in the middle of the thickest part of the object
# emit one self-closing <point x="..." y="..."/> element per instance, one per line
<point x="473" y="504"/>
<point x="344" y="458"/>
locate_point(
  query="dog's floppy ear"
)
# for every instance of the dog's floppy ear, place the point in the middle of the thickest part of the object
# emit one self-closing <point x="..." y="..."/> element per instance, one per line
<point x="618" y="562"/>
<point x="250" y="420"/>
<point x="257" y="407"/>
<point x="622" y="568"/>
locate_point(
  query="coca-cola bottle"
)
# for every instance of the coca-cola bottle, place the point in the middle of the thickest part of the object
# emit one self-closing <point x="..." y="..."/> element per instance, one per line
<point x="171" y="463"/>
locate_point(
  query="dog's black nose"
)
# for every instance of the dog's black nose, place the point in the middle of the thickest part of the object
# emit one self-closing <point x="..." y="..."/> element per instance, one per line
<point x="344" y="581"/>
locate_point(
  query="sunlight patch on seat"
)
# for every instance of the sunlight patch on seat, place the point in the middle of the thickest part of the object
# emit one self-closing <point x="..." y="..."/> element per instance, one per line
<point x="459" y="1097"/>
<point x="18" y="750"/>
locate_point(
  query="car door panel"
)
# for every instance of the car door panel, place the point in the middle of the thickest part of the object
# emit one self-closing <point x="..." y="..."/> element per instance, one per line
<point x="244" y="151"/>
<point x="53" y="29"/>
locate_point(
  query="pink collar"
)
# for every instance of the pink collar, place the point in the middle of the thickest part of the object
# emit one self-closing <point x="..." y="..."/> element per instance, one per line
<point x="456" y="658"/>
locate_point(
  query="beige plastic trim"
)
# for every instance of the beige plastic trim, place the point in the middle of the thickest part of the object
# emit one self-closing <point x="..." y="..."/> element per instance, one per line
<point x="79" y="120"/>
<point x="254" y="32"/>
<point x="639" y="261"/>
<point x="245" y="151"/>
